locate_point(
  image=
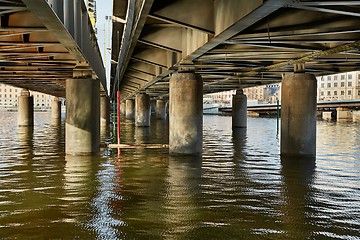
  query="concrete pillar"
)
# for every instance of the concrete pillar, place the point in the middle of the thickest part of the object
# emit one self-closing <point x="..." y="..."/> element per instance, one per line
<point x="142" y="110"/>
<point x="160" y="109"/>
<point x="25" y="109"/>
<point x="356" y="116"/>
<point x="130" y="109"/>
<point x="56" y="109"/>
<point x="123" y="109"/>
<point x="185" y="113"/>
<point x="298" y="115"/>
<point x="343" y="114"/>
<point x="82" y="130"/>
<point x="239" y="110"/>
<point x="104" y="111"/>
<point x="327" y="116"/>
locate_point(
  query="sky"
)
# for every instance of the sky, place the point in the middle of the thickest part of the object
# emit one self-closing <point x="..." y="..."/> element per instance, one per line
<point x="104" y="33"/>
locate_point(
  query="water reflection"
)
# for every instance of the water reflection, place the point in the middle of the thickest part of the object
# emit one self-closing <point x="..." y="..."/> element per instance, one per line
<point x="298" y="176"/>
<point x="183" y="189"/>
<point x="26" y="143"/>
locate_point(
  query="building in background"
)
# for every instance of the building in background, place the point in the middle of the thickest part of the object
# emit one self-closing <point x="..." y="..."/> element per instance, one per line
<point x="9" y="98"/>
<point x="342" y="86"/>
<point x="91" y="7"/>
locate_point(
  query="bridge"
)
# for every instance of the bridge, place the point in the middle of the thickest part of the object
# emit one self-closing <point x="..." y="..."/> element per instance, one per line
<point x="271" y="109"/>
<point x="181" y="49"/>
<point x="50" y="46"/>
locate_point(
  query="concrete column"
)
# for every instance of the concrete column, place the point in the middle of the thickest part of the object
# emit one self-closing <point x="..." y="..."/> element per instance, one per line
<point x="160" y="109"/>
<point x="142" y="110"/>
<point x="82" y="130"/>
<point x="343" y="114"/>
<point x="104" y="111"/>
<point x="25" y="109"/>
<point x="130" y="109"/>
<point x="327" y="116"/>
<point x="123" y="109"/>
<point x="298" y="115"/>
<point x="56" y="109"/>
<point x="239" y="110"/>
<point x="356" y="116"/>
<point x="185" y="113"/>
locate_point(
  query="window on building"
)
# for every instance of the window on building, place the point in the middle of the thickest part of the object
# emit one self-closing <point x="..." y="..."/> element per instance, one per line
<point x="4" y="95"/>
<point x="328" y="93"/>
<point x="5" y="90"/>
<point x="335" y="93"/>
<point x="350" y="76"/>
<point x="359" y="92"/>
<point x="329" y="85"/>
<point x="342" y="93"/>
<point x="335" y="78"/>
<point x="10" y="90"/>
<point x="342" y="84"/>
<point x="343" y="77"/>
<point x="322" y="93"/>
<point x="15" y="89"/>
<point x="335" y="84"/>
<point x="349" y="92"/>
<point x="349" y="84"/>
<point x="329" y="78"/>
<point x="10" y="95"/>
<point x="322" y="85"/>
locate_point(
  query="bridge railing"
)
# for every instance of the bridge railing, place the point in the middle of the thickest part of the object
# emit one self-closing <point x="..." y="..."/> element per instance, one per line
<point x="75" y="18"/>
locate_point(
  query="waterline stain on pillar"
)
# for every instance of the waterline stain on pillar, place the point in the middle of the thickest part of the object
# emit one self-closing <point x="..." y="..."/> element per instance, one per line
<point x="298" y="115"/>
<point x="185" y="113"/>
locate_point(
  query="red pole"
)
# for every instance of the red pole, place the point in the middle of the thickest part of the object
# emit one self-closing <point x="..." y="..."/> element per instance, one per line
<point x="118" y="118"/>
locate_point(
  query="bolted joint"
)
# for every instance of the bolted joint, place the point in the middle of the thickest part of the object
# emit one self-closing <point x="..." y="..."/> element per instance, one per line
<point x="25" y="93"/>
<point x="299" y="67"/>
<point x="186" y="67"/>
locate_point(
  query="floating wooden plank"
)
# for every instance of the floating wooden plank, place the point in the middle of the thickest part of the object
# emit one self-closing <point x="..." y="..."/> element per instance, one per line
<point x="139" y="146"/>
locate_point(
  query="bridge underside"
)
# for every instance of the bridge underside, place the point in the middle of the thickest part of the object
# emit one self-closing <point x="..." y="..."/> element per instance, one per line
<point x="232" y="43"/>
<point x="38" y="51"/>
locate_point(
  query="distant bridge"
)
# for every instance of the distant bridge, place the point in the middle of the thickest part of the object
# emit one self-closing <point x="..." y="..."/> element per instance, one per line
<point x="267" y="109"/>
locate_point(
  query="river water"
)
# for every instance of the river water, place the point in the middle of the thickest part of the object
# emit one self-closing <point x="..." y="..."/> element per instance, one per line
<point x="240" y="188"/>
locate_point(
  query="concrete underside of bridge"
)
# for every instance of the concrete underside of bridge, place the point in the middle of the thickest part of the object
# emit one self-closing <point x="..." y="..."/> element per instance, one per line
<point x="43" y="45"/>
<point x="231" y="44"/>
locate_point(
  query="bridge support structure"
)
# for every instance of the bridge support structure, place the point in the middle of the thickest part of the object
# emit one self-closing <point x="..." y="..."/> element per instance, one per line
<point x="25" y="109"/>
<point x="343" y="114"/>
<point x="239" y="110"/>
<point x="142" y="110"/>
<point x="123" y="108"/>
<point x="104" y="111"/>
<point x="298" y="115"/>
<point x="130" y="109"/>
<point x="82" y="129"/>
<point x="160" y="109"/>
<point x="55" y="110"/>
<point x="185" y="113"/>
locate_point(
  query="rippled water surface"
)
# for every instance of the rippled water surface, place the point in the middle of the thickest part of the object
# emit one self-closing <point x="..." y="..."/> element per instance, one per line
<point x="239" y="189"/>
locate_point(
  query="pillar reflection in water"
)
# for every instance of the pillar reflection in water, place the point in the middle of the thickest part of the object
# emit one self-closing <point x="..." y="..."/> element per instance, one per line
<point x="239" y="140"/>
<point x="26" y="144"/>
<point x="298" y="176"/>
<point x="184" y="174"/>
<point x="79" y="179"/>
